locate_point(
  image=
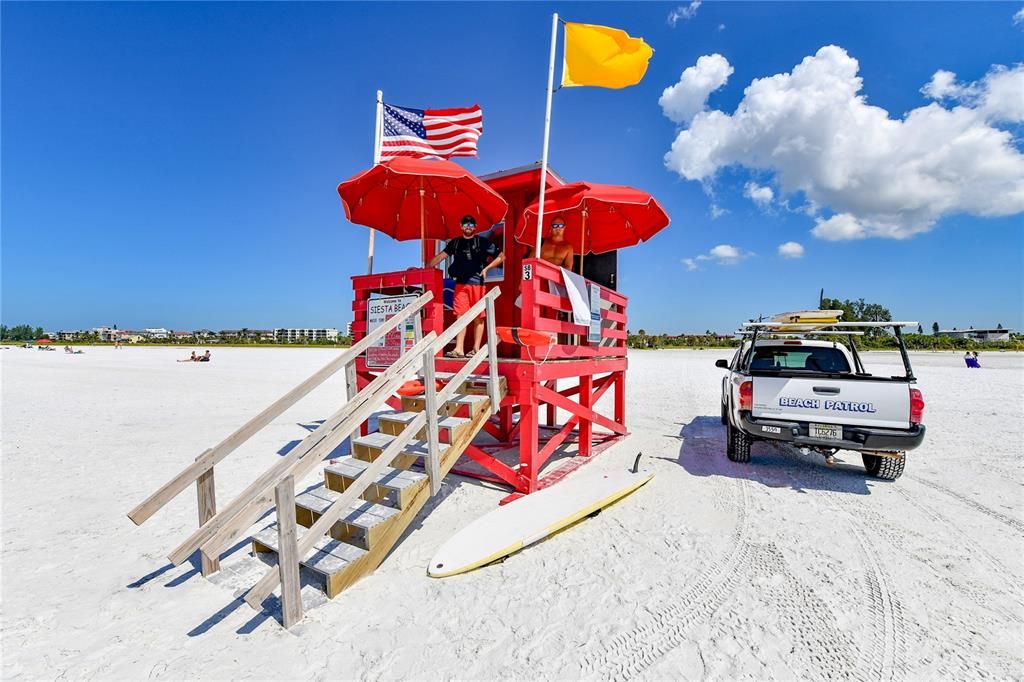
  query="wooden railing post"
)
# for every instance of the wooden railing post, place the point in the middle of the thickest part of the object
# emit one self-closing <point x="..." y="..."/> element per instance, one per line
<point x="206" y="496"/>
<point x="288" y="552"/>
<point x="430" y="396"/>
<point x="351" y="380"/>
<point x="492" y="359"/>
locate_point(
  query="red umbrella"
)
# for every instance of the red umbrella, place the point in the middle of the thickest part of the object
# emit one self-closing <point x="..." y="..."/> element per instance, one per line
<point x="43" y="341"/>
<point x="410" y="198"/>
<point x="598" y="218"/>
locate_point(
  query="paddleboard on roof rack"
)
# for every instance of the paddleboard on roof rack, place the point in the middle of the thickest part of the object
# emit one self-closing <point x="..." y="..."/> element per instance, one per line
<point x="808" y="317"/>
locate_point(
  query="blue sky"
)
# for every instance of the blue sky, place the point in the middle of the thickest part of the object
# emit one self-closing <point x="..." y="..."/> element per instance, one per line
<point x="175" y="164"/>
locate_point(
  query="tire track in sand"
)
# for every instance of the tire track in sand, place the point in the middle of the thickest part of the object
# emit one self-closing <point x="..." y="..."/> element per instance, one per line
<point x="663" y="629"/>
<point x="884" y="658"/>
<point x="1002" y="518"/>
<point x="825" y="650"/>
<point x="981" y="597"/>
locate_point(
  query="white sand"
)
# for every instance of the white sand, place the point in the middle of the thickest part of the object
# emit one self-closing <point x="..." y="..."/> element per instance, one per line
<point x="782" y="568"/>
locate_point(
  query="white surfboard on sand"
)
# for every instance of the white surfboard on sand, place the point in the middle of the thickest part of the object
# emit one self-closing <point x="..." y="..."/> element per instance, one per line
<point x="533" y="517"/>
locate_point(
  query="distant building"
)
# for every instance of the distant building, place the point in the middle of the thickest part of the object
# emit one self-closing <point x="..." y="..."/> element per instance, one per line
<point x="127" y="336"/>
<point x="182" y="336"/>
<point x="66" y="335"/>
<point x="104" y="333"/>
<point x="282" y="335"/>
<point x="156" y="333"/>
<point x="348" y="330"/>
<point x="978" y="334"/>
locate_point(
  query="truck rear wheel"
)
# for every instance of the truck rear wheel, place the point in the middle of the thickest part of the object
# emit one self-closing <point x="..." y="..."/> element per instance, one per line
<point x="885" y="468"/>
<point x="725" y="415"/>
<point x="738" y="447"/>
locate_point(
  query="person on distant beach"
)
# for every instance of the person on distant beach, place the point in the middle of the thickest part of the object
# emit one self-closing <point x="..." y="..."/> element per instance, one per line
<point x="205" y="357"/>
<point x="193" y="358"/>
<point x="469" y="254"/>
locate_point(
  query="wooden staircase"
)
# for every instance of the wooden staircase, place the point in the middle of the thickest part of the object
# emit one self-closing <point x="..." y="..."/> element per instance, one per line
<point x="344" y="529"/>
<point x="371" y="526"/>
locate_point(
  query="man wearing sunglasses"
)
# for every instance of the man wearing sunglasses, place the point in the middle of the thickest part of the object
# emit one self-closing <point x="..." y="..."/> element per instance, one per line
<point x="555" y="249"/>
<point x="470" y="254"/>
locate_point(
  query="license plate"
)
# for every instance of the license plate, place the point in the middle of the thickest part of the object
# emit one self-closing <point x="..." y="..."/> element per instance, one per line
<point x="827" y="431"/>
<point x="771" y="429"/>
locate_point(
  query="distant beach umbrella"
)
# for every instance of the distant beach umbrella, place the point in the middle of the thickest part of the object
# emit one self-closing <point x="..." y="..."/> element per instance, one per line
<point x="408" y="198"/>
<point x="43" y="341"/>
<point x="598" y="218"/>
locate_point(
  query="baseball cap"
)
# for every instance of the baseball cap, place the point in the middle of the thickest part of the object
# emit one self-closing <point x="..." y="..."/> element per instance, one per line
<point x="468" y="220"/>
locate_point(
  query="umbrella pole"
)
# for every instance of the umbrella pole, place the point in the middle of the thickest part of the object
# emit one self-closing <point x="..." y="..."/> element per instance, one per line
<point x="583" y="243"/>
<point x="423" y="234"/>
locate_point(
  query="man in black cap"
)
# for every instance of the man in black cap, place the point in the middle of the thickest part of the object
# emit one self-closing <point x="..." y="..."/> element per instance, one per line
<point x="469" y="254"/>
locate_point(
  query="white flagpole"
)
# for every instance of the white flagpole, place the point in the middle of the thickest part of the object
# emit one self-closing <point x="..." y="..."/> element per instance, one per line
<point x="547" y="133"/>
<point x="378" y="136"/>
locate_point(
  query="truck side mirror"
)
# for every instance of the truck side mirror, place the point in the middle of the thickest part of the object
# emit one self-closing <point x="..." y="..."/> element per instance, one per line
<point x="724" y="364"/>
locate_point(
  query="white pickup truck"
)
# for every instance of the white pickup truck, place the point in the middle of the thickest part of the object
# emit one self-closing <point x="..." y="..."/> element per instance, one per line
<point x="816" y="394"/>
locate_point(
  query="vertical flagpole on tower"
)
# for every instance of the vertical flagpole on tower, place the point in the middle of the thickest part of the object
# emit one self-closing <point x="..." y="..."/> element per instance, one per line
<point x="378" y="143"/>
<point x="547" y="133"/>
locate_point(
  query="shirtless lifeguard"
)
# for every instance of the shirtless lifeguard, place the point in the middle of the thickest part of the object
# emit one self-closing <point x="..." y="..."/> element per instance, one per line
<point x="555" y="249"/>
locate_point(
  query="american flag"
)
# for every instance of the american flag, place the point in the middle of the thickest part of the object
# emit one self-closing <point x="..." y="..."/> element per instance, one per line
<point x="424" y="133"/>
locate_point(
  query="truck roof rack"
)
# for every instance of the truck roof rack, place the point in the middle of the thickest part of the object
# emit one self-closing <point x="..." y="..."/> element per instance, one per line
<point x="801" y="327"/>
<point x="801" y="333"/>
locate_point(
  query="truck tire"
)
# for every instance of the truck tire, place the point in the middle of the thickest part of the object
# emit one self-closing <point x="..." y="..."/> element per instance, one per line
<point x="738" y="447"/>
<point x="885" y="468"/>
<point x="725" y="415"/>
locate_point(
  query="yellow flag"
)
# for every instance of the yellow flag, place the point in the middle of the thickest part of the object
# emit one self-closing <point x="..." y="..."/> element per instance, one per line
<point x="603" y="56"/>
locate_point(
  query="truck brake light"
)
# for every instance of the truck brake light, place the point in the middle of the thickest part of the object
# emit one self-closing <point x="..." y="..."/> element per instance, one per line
<point x="916" y="406"/>
<point x="746" y="395"/>
<point x="792" y="343"/>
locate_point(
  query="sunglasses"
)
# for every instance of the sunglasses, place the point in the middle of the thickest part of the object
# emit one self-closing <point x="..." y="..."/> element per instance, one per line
<point x="469" y="225"/>
<point x="558" y="226"/>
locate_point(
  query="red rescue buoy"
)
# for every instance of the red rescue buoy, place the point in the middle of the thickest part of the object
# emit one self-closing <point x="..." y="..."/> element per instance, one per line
<point x="525" y="337"/>
<point x="415" y="387"/>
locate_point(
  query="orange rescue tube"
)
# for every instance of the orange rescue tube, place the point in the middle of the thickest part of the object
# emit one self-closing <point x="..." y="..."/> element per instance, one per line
<point x="525" y="337"/>
<point x="415" y="387"/>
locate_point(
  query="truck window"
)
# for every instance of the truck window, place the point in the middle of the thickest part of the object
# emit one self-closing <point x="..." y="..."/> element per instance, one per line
<point x="774" y="358"/>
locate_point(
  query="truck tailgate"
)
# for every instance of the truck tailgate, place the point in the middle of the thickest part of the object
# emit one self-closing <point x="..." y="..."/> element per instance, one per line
<point x="880" y="404"/>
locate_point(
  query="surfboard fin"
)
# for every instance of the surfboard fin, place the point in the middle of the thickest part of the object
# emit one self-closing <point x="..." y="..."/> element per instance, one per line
<point x="636" y="462"/>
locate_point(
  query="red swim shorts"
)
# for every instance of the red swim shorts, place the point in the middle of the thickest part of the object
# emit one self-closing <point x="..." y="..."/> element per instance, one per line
<point x="466" y="295"/>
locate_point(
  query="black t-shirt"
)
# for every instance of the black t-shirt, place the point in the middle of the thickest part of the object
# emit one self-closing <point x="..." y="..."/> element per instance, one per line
<point x="469" y="256"/>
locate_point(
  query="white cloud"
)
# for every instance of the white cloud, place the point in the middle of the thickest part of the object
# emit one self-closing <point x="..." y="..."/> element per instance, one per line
<point x="684" y="100"/>
<point x="762" y="196"/>
<point x="999" y="97"/>
<point x="723" y="254"/>
<point x="717" y="211"/>
<point x="685" y="13"/>
<point x="876" y="176"/>
<point x="721" y="27"/>
<point x="791" y="250"/>
<point x="1018" y="18"/>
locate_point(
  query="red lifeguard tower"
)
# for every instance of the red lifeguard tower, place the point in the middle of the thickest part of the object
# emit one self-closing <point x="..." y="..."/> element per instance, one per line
<point x="587" y="368"/>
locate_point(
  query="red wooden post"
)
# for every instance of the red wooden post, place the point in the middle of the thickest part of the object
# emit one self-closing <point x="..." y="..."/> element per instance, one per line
<point x="586" y="426"/>
<point x="620" y="397"/>
<point x="529" y="449"/>
<point x="553" y="385"/>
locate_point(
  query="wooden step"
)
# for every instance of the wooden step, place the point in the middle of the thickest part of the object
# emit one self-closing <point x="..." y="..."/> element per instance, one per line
<point x="461" y="404"/>
<point x="415" y="490"/>
<point x="392" y="485"/>
<point x="328" y="558"/>
<point x="371" y="446"/>
<point x="360" y="525"/>
<point x="393" y="423"/>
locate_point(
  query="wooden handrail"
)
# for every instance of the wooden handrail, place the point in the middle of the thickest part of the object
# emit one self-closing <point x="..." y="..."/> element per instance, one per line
<point x="211" y="457"/>
<point x="272" y="578"/>
<point x="257" y="498"/>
